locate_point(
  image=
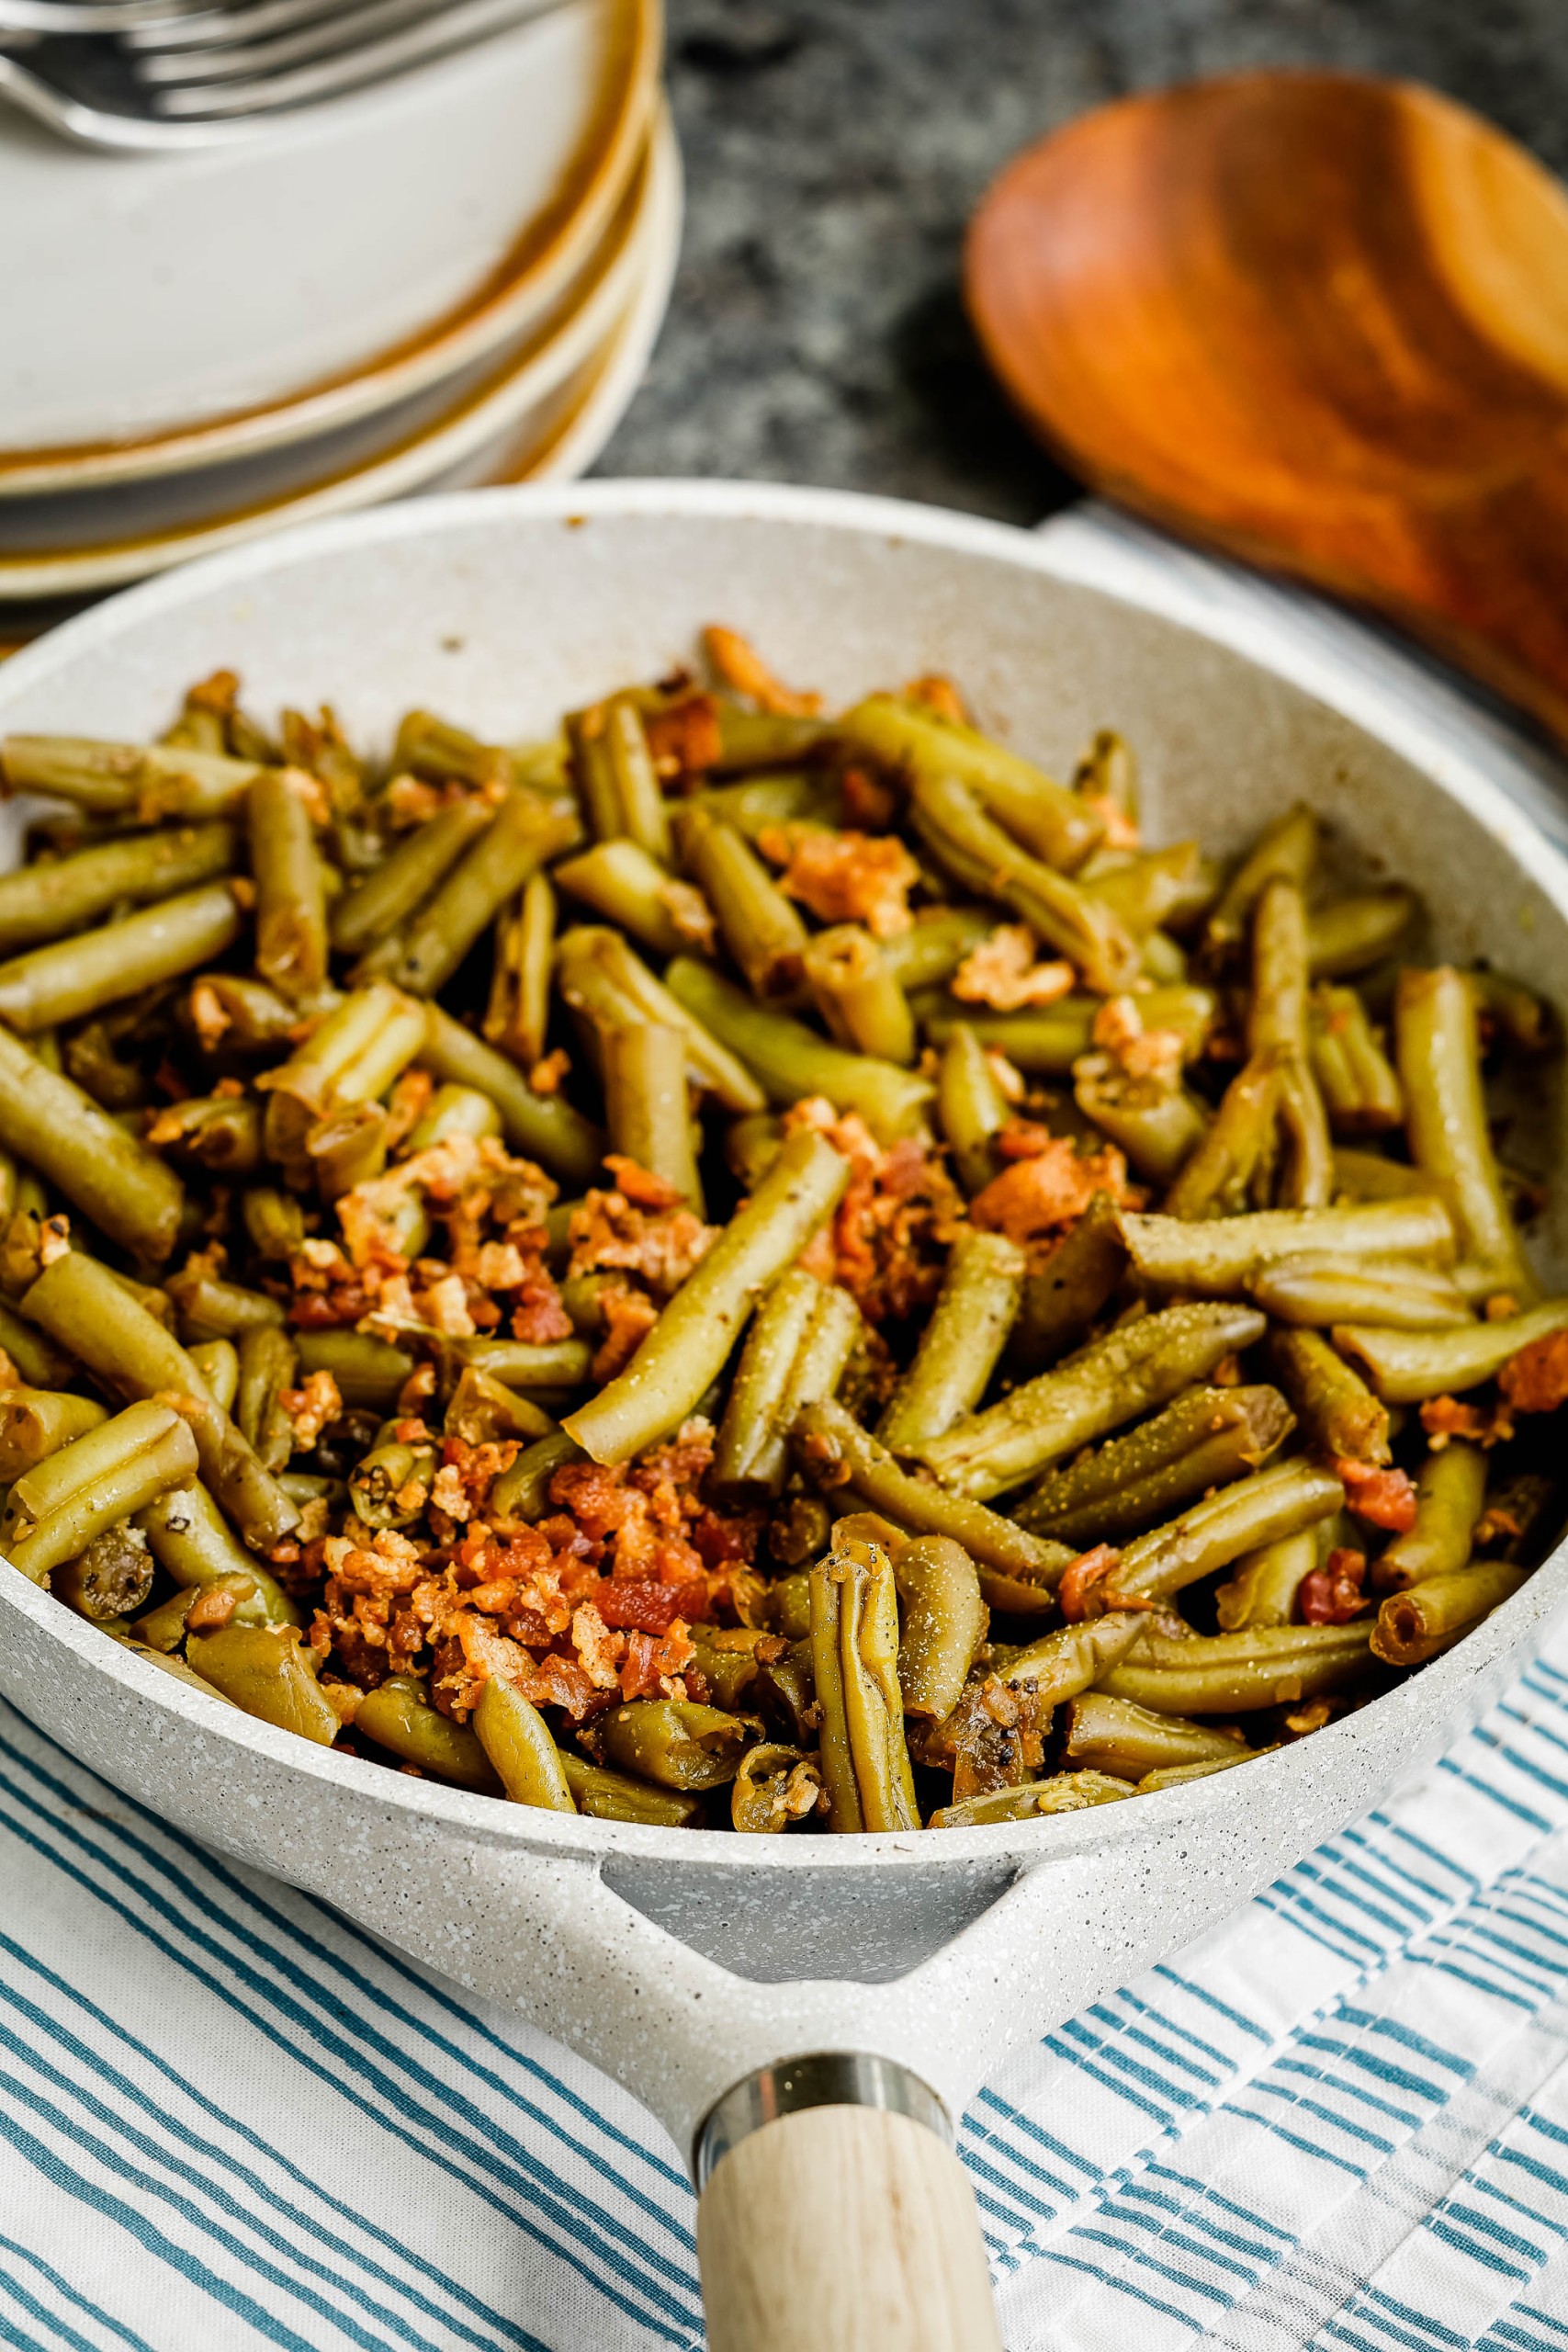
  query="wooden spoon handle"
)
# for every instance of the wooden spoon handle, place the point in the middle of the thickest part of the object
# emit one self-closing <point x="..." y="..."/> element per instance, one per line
<point x="843" y="2229"/>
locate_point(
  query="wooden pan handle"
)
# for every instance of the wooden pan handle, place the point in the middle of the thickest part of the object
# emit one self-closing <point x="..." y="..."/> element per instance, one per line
<point x="843" y="2229"/>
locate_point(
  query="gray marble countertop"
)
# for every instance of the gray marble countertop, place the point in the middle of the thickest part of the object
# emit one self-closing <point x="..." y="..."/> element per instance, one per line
<point x="834" y="150"/>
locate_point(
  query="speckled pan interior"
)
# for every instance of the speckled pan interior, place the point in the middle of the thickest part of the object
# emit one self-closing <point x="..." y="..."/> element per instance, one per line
<point x="502" y="609"/>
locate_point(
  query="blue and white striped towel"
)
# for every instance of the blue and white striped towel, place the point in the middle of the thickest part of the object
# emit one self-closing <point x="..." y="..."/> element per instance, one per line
<point x="229" y="2120"/>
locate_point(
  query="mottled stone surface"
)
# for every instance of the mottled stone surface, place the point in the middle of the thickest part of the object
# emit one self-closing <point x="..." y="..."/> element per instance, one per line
<point x="834" y="150"/>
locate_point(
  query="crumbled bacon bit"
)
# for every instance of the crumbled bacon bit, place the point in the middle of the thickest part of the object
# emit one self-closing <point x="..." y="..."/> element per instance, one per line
<point x="1036" y="1197"/>
<point x="1443" y="1418"/>
<point x="54" y="1240"/>
<point x="1121" y="831"/>
<point x="934" y="692"/>
<point x="690" y="913"/>
<point x="548" y="1076"/>
<point x="210" y="1611"/>
<point x="644" y="1605"/>
<point x="1383" y="1497"/>
<point x="207" y="1017"/>
<point x="745" y="673"/>
<point x="1332" y="1595"/>
<point x="613" y="1231"/>
<point x="629" y="1316"/>
<point x="409" y="801"/>
<point x="311" y="1407"/>
<point x="869" y="806"/>
<point x="1155" y="1055"/>
<point x="684" y="736"/>
<point x="845" y="878"/>
<point x="899" y="1211"/>
<point x="1081" y="1577"/>
<point x="1536" y="1380"/>
<point x="1003" y="972"/>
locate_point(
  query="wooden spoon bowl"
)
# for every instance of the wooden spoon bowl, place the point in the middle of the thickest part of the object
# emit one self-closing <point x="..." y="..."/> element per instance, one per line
<point x="1320" y="321"/>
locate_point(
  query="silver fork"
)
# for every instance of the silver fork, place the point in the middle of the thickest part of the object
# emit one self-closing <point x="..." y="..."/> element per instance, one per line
<point x="144" y="76"/>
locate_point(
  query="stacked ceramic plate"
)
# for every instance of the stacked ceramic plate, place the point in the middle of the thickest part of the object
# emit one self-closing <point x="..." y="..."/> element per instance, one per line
<point x="455" y="278"/>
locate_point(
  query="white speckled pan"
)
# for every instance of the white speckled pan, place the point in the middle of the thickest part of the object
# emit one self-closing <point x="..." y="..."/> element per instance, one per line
<point x="683" y="1962"/>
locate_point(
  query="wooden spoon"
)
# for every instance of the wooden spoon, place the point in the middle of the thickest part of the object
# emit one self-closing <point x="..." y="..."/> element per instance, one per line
<point x="1320" y="321"/>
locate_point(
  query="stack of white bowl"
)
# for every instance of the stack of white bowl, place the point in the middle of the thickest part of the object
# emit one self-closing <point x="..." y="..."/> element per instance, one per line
<point x="455" y="279"/>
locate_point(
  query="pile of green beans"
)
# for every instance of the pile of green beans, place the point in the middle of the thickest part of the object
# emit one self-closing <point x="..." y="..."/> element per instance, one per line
<point x="1217" y="1392"/>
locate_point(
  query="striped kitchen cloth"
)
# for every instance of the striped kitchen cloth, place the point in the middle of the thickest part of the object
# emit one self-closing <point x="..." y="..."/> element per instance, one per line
<point x="228" y="2120"/>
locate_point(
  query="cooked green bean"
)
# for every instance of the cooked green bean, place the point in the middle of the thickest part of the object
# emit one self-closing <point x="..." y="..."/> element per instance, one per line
<point x="1072" y="1660"/>
<point x="774" y="1786"/>
<point x="1050" y="820"/>
<point x="1264" y="1587"/>
<point x="648" y="1107"/>
<point x="210" y="1308"/>
<point x="963" y="1339"/>
<point x="1405" y="1367"/>
<point x="109" y="779"/>
<point x="976" y="851"/>
<point x="545" y="1126"/>
<point x="1138" y="1365"/>
<point x="1241" y="1518"/>
<point x="1360" y="1086"/>
<point x="397" y="1715"/>
<point x="525" y="834"/>
<point x="1159" y="1128"/>
<point x="854" y="1649"/>
<point x="1117" y="1736"/>
<point x="691" y="1343"/>
<point x="1063" y="1792"/>
<point x="1524" y="1018"/>
<point x="1439" y="1067"/>
<point x="264" y="1670"/>
<point x="673" y="1743"/>
<point x="604" y="1795"/>
<point x="791" y="1061"/>
<point x="111" y="1576"/>
<point x="518" y="1013"/>
<point x="1220" y="1177"/>
<point x="482" y="1409"/>
<point x="36" y="1422"/>
<point x="1319" y="1289"/>
<point x="218" y="1361"/>
<point x="857" y="994"/>
<point x="1063" y="1298"/>
<point x="1349" y="934"/>
<point x="622" y="882"/>
<point x="1337" y="1411"/>
<point x="1203" y="1440"/>
<point x="389" y="893"/>
<point x="830" y="1441"/>
<point x="368" y="1372"/>
<point x="1450" y="1495"/>
<point x="46" y="902"/>
<point x="972" y="1110"/>
<point x="752" y="1448"/>
<point x="453" y="1110"/>
<point x="81" y="1305"/>
<point x="40" y="1363"/>
<point x="522" y="1495"/>
<point x="516" y="1739"/>
<point x="1227" y="1674"/>
<point x="527" y="1364"/>
<point x="1224" y="1254"/>
<point x="432" y="747"/>
<point x="56" y="1508"/>
<point x="291" y="905"/>
<point x="938" y="940"/>
<point x="222" y="1132"/>
<point x="1367" y="1176"/>
<point x="944" y="1622"/>
<point x="600" y="974"/>
<point x="760" y="926"/>
<point x="1287" y="851"/>
<point x="1432" y="1615"/>
<point x="615" y="776"/>
<point x="129" y="1194"/>
<point x="1151" y="887"/>
<point x="191" y="1543"/>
